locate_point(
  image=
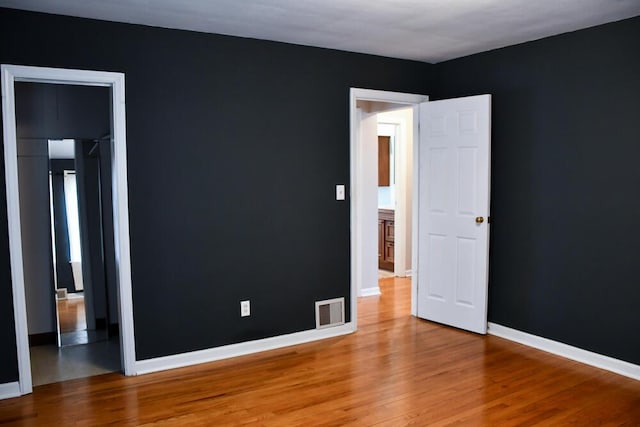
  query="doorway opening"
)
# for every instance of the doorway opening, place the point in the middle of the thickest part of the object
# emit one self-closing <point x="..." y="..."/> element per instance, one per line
<point x="395" y="165"/>
<point x="450" y="201"/>
<point x="395" y="108"/>
<point x="70" y="177"/>
<point x="21" y="247"/>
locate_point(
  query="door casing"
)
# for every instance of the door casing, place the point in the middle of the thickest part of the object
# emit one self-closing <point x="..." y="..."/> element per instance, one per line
<point x="10" y="74"/>
<point x="360" y="191"/>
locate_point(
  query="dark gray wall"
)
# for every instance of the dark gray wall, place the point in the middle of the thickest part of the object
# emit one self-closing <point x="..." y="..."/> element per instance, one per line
<point x="565" y="259"/>
<point x="53" y="111"/>
<point x="234" y="150"/>
<point x="35" y="221"/>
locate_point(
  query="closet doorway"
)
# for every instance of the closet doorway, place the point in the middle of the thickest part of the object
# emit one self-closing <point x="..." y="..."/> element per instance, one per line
<point x="19" y="242"/>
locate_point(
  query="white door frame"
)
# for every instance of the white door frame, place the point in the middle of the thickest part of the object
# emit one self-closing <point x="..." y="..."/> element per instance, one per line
<point x="358" y="212"/>
<point x="11" y="74"/>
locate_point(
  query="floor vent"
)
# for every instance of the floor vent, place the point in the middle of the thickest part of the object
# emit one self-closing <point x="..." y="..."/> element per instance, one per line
<point x="329" y="313"/>
<point x="61" y="293"/>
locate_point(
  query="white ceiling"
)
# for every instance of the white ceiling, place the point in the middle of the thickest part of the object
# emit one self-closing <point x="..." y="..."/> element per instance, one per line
<point x="423" y="30"/>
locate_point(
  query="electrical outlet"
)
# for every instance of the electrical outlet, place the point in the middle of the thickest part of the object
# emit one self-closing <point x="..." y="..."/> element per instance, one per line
<point x="245" y="308"/>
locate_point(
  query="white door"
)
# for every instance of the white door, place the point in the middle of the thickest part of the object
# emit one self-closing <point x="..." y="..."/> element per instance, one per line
<point x="453" y="211"/>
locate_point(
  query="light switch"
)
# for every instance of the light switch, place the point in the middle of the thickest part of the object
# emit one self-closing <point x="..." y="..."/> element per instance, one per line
<point x="340" y="192"/>
<point x="245" y="308"/>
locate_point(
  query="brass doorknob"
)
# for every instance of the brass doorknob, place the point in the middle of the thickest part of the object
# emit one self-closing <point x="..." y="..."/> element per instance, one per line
<point x="479" y="220"/>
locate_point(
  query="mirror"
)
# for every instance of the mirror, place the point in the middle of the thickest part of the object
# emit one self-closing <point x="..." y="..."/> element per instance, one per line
<point x="73" y="228"/>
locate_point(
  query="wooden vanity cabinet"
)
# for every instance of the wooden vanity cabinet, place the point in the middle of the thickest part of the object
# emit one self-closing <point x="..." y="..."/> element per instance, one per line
<point x="384" y="158"/>
<point x="386" y="219"/>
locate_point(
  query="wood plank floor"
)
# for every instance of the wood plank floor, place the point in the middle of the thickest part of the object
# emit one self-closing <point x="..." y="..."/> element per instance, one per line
<point x="71" y="314"/>
<point x="396" y="370"/>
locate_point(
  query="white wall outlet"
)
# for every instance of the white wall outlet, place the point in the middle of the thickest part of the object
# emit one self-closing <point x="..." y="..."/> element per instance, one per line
<point x="245" y="308"/>
<point x="340" y="192"/>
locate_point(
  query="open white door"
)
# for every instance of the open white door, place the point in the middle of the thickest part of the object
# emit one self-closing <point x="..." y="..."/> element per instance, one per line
<point x="453" y="211"/>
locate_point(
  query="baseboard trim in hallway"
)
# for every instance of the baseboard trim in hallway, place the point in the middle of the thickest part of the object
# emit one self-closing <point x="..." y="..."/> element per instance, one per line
<point x="370" y="292"/>
<point x="574" y="353"/>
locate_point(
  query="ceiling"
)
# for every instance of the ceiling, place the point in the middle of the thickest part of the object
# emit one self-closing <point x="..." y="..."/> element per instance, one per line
<point x="422" y="30"/>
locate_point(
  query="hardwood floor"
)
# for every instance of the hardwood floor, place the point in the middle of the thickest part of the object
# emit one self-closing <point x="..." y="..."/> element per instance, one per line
<point x="71" y="314"/>
<point x="396" y="370"/>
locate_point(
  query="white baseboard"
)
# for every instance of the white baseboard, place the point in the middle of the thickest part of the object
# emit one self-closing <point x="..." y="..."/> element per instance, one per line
<point x="408" y="273"/>
<point x="9" y="390"/>
<point x="574" y="353"/>
<point x="240" y="349"/>
<point x="370" y="292"/>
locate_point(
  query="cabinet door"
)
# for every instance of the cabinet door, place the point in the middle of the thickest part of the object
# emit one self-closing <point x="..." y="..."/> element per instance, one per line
<point x="380" y="242"/>
<point x="384" y="156"/>
<point x="389" y="231"/>
<point x="388" y="253"/>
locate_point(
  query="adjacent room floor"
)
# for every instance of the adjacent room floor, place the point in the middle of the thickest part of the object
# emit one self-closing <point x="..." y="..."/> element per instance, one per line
<point x="83" y="353"/>
<point x="50" y="364"/>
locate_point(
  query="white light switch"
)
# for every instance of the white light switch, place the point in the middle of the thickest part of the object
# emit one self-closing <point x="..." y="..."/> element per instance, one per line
<point x="245" y="308"/>
<point x="340" y="192"/>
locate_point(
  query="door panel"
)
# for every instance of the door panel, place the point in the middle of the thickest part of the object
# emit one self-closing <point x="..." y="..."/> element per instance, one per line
<point x="453" y="188"/>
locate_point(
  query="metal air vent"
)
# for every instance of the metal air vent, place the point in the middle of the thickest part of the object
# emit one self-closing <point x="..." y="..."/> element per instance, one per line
<point x="329" y="313"/>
